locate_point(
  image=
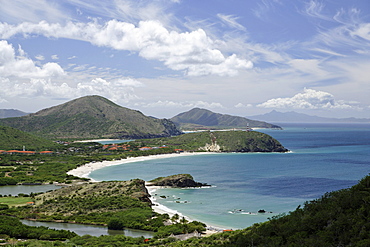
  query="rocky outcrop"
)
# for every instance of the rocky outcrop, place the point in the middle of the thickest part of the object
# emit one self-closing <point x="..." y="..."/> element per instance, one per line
<point x="178" y="181"/>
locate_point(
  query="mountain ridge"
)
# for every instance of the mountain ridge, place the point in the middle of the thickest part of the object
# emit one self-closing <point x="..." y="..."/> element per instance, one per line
<point x="198" y="118"/>
<point x="92" y="117"/>
<point x="292" y="116"/>
<point x="6" y="113"/>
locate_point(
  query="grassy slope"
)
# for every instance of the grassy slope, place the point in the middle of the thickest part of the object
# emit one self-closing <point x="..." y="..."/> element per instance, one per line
<point x="228" y="141"/>
<point x="91" y="117"/>
<point x="11" y="138"/>
<point x="197" y="118"/>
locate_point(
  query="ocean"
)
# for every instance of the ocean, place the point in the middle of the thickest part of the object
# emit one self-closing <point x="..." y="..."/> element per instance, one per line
<point x="248" y="188"/>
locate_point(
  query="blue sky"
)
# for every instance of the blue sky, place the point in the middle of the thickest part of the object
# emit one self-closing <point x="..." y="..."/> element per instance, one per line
<point x="164" y="57"/>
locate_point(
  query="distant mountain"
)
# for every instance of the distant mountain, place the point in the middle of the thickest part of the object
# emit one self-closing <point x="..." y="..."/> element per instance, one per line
<point x="11" y="139"/>
<point x="92" y="117"/>
<point x="294" y="117"/>
<point x="5" y="113"/>
<point x="204" y="119"/>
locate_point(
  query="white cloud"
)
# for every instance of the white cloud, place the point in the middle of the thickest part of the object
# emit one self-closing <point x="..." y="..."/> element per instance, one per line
<point x="309" y="99"/>
<point x="40" y="57"/>
<point x="35" y="10"/>
<point x="231" y="21"/>
<point x="120" y="90"/>
<point x="54" y="57"/>
<point x="362" y="31"/>
<point x="314" y="9"/>
<point x="20" y="66"/>
<point x="241" y="105"/>
<point x="193" y="52"/>
<point x="310" y="66"/>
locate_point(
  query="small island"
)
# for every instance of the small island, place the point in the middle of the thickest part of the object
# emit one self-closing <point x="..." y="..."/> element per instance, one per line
<point x="176" y="181"/>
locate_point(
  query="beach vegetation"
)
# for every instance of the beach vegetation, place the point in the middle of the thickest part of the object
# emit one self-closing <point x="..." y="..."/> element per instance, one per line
<point x="11" y="227"/>
<point x="339" y="218"/>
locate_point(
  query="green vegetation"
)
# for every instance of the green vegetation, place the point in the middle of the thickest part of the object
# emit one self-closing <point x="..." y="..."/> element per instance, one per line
<point x="116" y="204"/>
<point x="177" y="181"/>
<point x="11" y="138"/>
<point x="12" y="201"/>
<point x="47" y="168"/>
<point x="219" y="141"/>
<point x="11" y="227"/>
<point x="339" y="218"/>
<point x="91" y="117"/>
<point x="204" y="119"/>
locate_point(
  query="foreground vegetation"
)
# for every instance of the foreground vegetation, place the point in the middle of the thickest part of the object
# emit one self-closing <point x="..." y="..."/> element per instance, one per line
<point x="339" y="218"/>
<point x="115" y="204"/>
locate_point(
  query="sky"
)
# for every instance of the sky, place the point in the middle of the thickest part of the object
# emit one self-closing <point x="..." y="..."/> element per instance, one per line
<point x="165" y="57"/>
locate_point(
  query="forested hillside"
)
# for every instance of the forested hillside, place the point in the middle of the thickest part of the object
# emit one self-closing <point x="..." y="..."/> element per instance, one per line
<point x="92" y="117"/>
<point x="219" y="141"/>
<point x="11" y="138"/>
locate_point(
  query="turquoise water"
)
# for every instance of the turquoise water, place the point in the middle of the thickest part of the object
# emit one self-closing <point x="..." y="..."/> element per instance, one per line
<point x="324" y="157"/>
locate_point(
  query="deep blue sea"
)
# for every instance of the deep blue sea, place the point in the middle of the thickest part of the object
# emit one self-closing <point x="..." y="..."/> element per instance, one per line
<point x="323" y="158"/>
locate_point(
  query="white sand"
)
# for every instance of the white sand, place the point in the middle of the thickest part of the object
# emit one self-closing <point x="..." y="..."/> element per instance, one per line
<point x="85" y="170"/>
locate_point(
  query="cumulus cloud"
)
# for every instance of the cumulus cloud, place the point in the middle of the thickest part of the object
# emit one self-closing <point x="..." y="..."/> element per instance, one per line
<point x="12" y="64"/>
<point x="119" y="90"/>
<point x="193" y="52"/>
<point x="309" y="99"/>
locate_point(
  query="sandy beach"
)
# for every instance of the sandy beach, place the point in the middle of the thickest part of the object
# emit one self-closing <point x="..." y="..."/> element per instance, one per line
<point x="85" y="170"/>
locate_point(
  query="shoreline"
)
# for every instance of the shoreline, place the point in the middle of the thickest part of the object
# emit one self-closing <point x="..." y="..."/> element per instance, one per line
<point x="85" y="170"/>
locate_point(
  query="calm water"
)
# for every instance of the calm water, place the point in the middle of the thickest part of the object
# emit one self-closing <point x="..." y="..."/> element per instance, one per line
<point x="324" y="157"/>
<point x="14" y="190"/>
<point x="89" y="229"/>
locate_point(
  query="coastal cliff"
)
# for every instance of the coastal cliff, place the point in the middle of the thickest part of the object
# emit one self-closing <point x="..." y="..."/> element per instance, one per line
<point x="218" y="141"/>
<point x="177" y="181"/>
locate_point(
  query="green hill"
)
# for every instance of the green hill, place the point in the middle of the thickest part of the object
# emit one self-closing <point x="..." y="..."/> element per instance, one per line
<point x="91" y="117"/>
<point x="204" y="119"/>
<point x="11" y="138"/>
<point x="219" y="141"/>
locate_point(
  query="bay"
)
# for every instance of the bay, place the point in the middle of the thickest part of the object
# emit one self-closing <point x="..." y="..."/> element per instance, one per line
<point x="323" y="158"/>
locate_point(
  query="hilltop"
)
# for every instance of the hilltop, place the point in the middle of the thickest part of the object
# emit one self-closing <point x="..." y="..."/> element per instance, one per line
<point x="198" y="118"/>
<point x="92" y="117"/>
